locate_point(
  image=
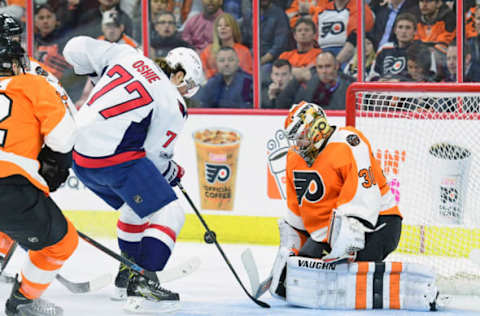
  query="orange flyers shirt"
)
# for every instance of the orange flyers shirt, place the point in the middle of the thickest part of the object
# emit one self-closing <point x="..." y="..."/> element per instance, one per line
<point x="30" y="111"/>
<point x="334" y="26"/>
<point x="345" y="176"/>
<point x="297" y="59"/>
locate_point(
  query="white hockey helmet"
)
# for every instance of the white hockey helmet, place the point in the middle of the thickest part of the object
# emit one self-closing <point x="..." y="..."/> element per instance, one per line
<point x="191" y="63"/>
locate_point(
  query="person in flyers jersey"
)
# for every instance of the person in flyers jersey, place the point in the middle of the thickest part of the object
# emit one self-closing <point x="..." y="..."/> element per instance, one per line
<point x="340" y="207"/>
<point x="36" y="139"/>
<point x="124" y="148"/>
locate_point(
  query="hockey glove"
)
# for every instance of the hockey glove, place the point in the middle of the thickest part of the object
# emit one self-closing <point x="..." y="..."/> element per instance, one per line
<point x="54" y="167"/>
<point x="347" y="236"/>
<point x="174" y="173"/>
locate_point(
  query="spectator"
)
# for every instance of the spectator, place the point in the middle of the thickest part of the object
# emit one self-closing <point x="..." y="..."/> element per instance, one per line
<point x="274" y="34"/>
<point x="337" y="22"/>
<point x="391" y="59"/>
<point x="231" y="87"/>
<point x="419" y="61"/>
<point x="226" y="33"/>
<point x="281" y="75"/>
<point x="301" y="8"/>
<point x="49" y="40"/>
<point x="165" y="36"/>
<point x="328" y="87"/>
<point x="302" y="59"/>
<point x="436" y="27"/>
<point x="385" y="17"/>
<point x="474" y="40"/>
<point x="91" y="21"/>
<point x="351" y="68"/>
<point x="471" y="70"/>
<point x="68" y="12"/>
<point x="198" y="30"/>
<point x="472" y="21"/>
<point x="113" y="29"/>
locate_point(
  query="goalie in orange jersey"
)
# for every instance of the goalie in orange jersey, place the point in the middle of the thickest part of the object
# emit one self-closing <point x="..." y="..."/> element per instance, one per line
<point x="36" y="139"/>
<point x="340" y="210"/>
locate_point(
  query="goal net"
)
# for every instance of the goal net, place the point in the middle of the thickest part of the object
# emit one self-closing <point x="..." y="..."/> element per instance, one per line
<point x="426" y="138"/>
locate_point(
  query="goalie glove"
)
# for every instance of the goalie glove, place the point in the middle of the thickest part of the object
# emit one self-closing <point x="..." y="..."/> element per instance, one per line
<point x="54" y="167"/>
<point x="174" y="173"/>
<point x="347" y="236"/>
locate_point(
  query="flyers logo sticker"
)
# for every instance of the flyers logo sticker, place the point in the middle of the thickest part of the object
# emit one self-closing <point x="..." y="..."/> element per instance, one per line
<point x="309" y="186"/>
<point x="215" y="173"/>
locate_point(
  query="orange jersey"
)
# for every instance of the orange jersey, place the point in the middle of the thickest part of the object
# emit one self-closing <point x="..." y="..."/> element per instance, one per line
<point x="344" y="177"/>
<point x="334" y="26"/>
<point x="32" y="114"/>
<point x="297" y="59"/>
<point x="439" y="33"/>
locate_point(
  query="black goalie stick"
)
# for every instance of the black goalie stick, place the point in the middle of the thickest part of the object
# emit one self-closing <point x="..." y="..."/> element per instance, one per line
<point x="210" y="237"/>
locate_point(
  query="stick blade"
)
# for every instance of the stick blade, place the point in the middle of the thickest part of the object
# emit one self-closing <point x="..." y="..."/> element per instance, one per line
<point x="251" y="268"/>
<point x="180" y="271"/>
<point x="87" y="286"/>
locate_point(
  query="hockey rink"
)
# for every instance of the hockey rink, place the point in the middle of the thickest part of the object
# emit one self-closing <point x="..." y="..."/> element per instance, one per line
<point x="211" y="290"/>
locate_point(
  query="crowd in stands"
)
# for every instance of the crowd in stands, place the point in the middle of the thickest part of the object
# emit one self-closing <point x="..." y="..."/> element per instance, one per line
<point x="307" y="48"/>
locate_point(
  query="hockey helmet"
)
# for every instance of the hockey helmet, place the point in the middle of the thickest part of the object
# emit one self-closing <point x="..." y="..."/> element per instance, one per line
<point x="12" y="52"/>
<point x="189" y="60"/>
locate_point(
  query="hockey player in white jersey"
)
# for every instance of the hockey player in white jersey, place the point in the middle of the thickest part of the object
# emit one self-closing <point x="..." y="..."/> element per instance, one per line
<point x="127" y="130"/>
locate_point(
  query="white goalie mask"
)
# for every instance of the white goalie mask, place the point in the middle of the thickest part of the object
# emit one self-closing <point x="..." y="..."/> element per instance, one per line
<point x="191" y="63"/>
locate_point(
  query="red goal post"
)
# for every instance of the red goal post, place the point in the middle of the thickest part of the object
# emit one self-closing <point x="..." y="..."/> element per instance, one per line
<point x="427" y="139"/>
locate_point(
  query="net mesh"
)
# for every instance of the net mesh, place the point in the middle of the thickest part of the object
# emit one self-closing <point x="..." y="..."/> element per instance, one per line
<point x="428" y="146"/>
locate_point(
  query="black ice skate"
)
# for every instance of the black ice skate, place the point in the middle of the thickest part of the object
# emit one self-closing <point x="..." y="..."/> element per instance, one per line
<point x="121" y="280"/>
<point x="146" y="296"/>
<point x="19" y="305"/>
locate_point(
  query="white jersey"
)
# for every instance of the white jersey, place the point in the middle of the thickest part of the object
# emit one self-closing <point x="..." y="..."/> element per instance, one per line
<point x="37" y="69"/>
<point x="133" y="111"/>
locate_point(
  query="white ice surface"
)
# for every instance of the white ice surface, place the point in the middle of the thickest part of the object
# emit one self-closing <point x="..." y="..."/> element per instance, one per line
<point x="211" y="290"/>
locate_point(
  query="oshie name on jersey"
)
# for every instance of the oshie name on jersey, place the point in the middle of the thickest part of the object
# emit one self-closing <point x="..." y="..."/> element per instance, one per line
<point x="145" y="71"/>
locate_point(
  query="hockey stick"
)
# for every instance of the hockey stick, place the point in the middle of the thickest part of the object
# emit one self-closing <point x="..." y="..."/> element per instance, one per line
<point x="182" y="270"/>
<point x="210" y="237"/>
<point x="88" y="286"/>
<point x="258" y="289"/>
<point x="74" y="287"/>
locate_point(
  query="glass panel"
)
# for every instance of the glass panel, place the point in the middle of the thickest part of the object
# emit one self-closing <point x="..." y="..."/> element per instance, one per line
<point x="223" y="40"/>
<point x="471" y="48"/>
<point x="55" y="22"/>
<point x="412" y="40"/>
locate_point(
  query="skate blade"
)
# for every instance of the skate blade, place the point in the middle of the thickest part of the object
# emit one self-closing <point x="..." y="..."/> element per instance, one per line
<point x="119" y="295"/>
<point x="140" y="305"/>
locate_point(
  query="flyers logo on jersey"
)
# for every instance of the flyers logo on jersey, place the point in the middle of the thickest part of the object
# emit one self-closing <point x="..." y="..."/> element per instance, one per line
<point x="332" y="27"/>
<point x="215" y="173"/>
<point x="309" y="186"/>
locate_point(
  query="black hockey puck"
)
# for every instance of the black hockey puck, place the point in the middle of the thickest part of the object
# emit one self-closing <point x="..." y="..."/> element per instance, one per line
<point x="210" y="237"/>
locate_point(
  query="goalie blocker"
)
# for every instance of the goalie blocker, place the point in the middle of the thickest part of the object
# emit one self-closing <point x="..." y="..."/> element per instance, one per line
<point x="361" y="285"/>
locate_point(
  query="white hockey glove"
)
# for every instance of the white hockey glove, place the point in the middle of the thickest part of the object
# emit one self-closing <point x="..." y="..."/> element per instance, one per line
<point x="173" y="173"/>
<point x="347" y="236"/>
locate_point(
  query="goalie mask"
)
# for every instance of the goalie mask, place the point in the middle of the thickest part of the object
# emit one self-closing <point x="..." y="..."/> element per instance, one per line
<point x="307" y="128"/>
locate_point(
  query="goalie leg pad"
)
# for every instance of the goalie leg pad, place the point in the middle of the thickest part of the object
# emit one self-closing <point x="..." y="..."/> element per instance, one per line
<point x="290" y="241"/>
<point x="363" y="285"/>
